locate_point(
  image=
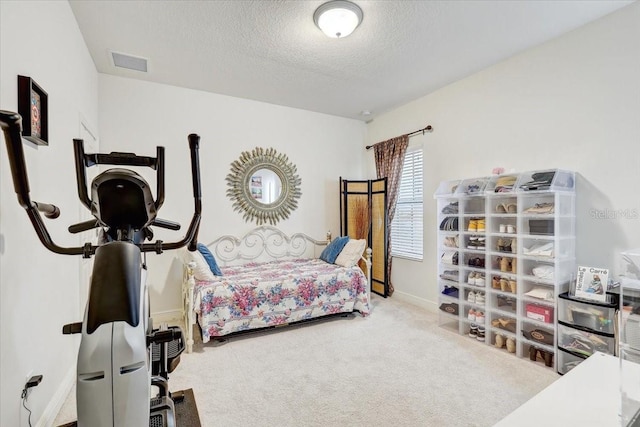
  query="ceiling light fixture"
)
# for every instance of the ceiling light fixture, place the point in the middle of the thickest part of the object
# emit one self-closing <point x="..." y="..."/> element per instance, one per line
<point x="338" y="18"/>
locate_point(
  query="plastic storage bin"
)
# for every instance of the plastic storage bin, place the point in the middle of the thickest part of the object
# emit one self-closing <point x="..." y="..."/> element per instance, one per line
<point x="538" y="333"/>
<point x="543" y="227"/>
<point x="584" y="343"/>
<point x="502" y="183"/>
<point x="567" y="361"/>
<point x="472" y="186"/>
<point x="547" y="180"/>
<point x="596" y="316"/>
<point x="447" y="188"/>
<point x="539" y="312"/>
<point x="630" y="338"/>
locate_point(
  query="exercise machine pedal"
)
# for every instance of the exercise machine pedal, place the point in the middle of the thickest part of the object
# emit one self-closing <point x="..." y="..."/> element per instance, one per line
<point x="162" y="412"/>
<point x="170" y="341"/>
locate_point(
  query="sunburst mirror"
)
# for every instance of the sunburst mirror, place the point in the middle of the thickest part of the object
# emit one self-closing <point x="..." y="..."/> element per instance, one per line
<point x="264" y="186"/>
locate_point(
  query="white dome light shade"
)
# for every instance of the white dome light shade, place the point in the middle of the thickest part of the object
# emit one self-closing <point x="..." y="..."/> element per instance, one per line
<point x="338" y="18"/>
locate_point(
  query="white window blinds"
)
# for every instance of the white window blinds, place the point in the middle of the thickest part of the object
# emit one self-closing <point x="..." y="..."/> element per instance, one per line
<point x="407" y="226"/>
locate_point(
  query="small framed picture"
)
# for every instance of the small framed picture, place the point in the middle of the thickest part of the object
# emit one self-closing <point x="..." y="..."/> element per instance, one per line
<point x="591" y="283"/>
<point x="256" y="181"/>
<point x="33" y="106"/>
<point x="256" y="193"/>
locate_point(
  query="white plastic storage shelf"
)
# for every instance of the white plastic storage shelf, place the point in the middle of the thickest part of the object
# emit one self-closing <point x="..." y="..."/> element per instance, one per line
<point x="506" y="248"/>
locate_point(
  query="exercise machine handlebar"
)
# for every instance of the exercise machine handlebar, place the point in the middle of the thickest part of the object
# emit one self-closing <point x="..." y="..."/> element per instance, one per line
<point x="11" y="125"/>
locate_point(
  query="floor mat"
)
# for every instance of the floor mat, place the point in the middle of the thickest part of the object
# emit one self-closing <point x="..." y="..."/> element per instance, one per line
<point x="186" y="412"/>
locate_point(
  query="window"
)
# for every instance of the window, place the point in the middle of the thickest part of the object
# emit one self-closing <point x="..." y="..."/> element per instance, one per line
<point x="407" y="225"/>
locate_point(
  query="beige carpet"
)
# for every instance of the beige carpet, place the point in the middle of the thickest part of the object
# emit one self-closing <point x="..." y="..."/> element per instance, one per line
<point x="395" y="368"/>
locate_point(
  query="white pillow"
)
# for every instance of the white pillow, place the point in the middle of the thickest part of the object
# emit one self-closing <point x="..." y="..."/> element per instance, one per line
<point x="351" y="253"/>
<point x="201" y="271"/>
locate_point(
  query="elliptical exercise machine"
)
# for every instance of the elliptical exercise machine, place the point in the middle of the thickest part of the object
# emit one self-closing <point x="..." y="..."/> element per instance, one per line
<point x="121" y="356"/>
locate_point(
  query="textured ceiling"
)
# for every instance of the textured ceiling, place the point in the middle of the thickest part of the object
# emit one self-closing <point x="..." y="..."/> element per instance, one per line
<point x="271" y="51"/>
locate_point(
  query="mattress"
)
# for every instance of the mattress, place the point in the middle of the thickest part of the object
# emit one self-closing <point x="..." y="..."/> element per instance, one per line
<point x="259" y="295"/>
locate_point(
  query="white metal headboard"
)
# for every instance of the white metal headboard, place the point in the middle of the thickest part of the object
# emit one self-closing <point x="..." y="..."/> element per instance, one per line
<point x="265" y="243"/>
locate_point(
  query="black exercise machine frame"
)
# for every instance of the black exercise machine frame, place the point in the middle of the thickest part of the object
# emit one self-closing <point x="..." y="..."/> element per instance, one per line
<point x="11" y="124"/>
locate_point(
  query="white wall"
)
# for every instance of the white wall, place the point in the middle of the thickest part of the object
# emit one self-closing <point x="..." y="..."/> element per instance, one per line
<point x="572" y="103"/>
<point x="137" y="115"/>
<point x="38" y="289"/>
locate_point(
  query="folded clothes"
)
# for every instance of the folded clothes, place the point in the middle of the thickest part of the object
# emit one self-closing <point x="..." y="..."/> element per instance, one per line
<point x="541" y="293"/>
<point x="543" y="271"/>
<point x="505" y="183"/>
<point x="543" y="176"/>
<point x="540" y="249"/>
<point x="451" y="291"/>
<point x="506" y="180"/>
<point x="535" y="186"/>
<point x="539" y="181"/>
<point x="543" y="181"/>
<point x="503" y="189"/>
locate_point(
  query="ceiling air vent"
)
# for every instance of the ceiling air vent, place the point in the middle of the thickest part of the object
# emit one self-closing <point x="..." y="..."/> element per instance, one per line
<point x="130" y="62"/>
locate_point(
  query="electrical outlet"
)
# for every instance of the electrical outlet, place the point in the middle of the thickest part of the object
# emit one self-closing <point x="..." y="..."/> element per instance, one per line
<point x="28" y="377"/>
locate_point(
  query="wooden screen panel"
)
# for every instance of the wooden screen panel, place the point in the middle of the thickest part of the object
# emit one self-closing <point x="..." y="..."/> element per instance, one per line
<point x="357" y="187"/>
<point x="358" y="216"/>
<point x="363" y="215"/>
<point x="355" y="209"/>
<point x="379" y="186"/>
<point x="378" y="242"/>
<point x="342" y="208"/>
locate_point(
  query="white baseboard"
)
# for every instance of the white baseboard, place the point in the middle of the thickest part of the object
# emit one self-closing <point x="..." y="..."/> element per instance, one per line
<point x="430" y="306"/>
<point x="55" y="404"/>
<point x="172" y="317"/>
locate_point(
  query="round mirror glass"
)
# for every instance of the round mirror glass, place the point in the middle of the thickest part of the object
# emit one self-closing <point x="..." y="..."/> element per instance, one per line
<point x="265" y="186"/>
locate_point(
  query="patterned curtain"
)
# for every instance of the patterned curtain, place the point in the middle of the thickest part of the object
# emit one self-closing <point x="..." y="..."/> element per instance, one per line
<point x="389" y="162"/>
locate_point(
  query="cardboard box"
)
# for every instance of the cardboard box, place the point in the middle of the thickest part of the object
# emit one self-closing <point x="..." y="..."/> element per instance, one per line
<point x="542" y="313"/>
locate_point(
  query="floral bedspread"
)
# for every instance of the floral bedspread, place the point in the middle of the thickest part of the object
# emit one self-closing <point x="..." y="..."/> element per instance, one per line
<point x="258" y="295"/>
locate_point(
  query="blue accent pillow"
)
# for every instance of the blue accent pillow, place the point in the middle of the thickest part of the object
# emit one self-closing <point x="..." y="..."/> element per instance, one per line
<point x="208" y="256"/>
<point x="333" y="249"/>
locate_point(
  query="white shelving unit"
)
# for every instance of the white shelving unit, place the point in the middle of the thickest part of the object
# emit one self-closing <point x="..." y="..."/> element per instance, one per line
<point x="527" y="224"/>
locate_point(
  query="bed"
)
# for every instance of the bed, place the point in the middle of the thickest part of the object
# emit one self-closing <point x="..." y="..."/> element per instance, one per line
<point x="269" y="279"/>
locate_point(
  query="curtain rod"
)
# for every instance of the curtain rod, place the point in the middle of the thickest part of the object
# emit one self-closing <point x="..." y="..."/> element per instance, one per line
<point x="428" y="128"/>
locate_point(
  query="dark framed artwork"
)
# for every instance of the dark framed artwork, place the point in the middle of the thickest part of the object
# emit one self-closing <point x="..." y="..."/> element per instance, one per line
<point x="34" y="109"/>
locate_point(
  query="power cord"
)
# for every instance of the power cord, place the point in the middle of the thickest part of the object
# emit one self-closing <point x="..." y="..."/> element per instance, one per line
<point x="32" y="382"/>
<point x="25" y="396"/>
